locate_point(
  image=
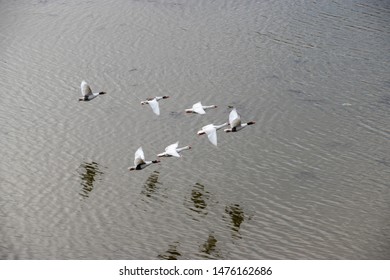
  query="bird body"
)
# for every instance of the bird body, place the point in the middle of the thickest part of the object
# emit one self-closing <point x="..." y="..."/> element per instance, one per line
<point x="153" y="102"/>
<point x="87" y="92"/>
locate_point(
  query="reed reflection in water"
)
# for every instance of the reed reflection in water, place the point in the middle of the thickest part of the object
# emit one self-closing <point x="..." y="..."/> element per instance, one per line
<point x="89" y="173"/>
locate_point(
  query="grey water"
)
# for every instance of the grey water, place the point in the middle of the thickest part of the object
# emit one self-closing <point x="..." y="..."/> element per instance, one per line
<point x="310" y="180"/>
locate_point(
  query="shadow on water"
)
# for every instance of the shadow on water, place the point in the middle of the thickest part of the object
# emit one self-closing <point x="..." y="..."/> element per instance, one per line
<point x="89" y="173"/>
<point x="306" y="176"/>
<point x="151" y="185"/>
<point x="306" y="97"/>
<point x="384" y="161"/>
<point x="385" y="99"/>
<point x="172" y="253"/>
<point x="198" y="200"/>
<point x="176" y="115"/>
<point x="237" y="216"/>
<point x="210" y="248"/>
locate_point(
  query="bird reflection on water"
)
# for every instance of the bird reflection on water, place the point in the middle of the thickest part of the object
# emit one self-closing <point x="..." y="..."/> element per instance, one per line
<point x="198" y="201"/>
<point x="237" y="216"/>
<point x="89" y="173"/>
<point x="210" y="248"/>
<point x="151" y="184"/>
<point x="172" y="253"/>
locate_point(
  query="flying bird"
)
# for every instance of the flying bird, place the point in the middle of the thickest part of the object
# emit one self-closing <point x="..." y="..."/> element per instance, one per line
<point x="211" y="131"/>
<point x="87" y="92"/>
<point x="173" y="150"/>
<point x="235" y="122"/>
<point x="140" y="162"/>
<point x="198" y="108"/>
<point x="153" y="102"/>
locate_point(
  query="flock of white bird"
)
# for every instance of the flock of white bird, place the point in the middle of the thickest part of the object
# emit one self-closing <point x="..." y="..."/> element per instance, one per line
<point x="173" y="150"/>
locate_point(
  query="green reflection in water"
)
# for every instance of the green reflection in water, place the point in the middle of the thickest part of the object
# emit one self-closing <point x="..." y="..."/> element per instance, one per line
<point x="89" y="173"/>
<point x="210" y="248"/>
<point x="172" y="253"/>
<point x="151" y="184"/>
<point x="236" y="214"/>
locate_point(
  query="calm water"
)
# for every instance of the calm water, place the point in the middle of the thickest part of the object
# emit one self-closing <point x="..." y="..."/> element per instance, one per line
<point x="310" y="180"/>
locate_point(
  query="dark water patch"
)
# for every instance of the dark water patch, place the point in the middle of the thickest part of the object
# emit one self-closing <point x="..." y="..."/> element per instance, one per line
<point x="300" y="61"/>
<point x="176" y="114"/>
<point x="297" y="92"/>
<point x="385" y="99"/>
<point x="335" y="145"/>
<point x="305" y="97"/>
<point x="273" y="77"/>
<point x="316" y="101"/>
<point x="386" y="84"/>
<point x="287" y="40"/>
<point x="172" y="253"/>
<point x="5" y="252"/>
<point x="384" y="161"/>
<point x="49" y="15"/>
<point x="305" y="175"/>
<point x="89" y="172"/>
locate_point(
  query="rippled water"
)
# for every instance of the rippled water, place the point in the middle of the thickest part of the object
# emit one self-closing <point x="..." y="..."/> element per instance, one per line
<point x="310" y="180"/>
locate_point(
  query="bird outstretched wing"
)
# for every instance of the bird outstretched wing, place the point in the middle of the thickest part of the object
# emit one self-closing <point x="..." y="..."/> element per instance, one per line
<point x="171" y="150"/>
<point x="154" y="105"/>
<point x="198" y="108"/>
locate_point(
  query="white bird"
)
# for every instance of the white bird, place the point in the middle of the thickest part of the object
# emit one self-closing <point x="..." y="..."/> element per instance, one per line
<point x="173" y="150"/>
<point x="211" y="131"/>
<point x="140" y="162"/>
<point x="153" y="102"/>
<point x="235" y="122"/>
<point x="87" y="92"/>
<point x="198" y="108"/>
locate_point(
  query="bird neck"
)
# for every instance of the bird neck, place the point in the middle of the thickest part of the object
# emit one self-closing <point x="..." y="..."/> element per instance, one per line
<point x="183" y="148"/>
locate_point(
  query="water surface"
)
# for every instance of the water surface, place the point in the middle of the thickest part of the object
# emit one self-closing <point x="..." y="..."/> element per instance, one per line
<point x="310" y="180"/>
